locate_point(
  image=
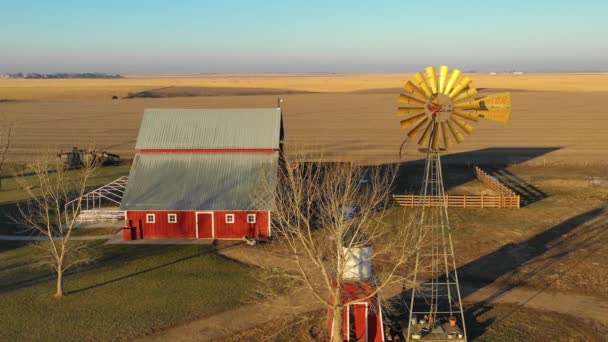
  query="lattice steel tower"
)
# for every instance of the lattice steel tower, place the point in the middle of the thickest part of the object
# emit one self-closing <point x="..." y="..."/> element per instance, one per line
<point x="440" y="107"/>
<point x="436" y="298"/>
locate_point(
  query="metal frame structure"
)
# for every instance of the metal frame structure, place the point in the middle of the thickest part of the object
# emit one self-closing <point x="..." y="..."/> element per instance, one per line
<point x="436" y="297"/>
<point x="96" y="205"/>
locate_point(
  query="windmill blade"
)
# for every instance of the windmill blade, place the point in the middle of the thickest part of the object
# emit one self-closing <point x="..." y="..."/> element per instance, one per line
<point x="465" y="126"/>
<point x="443" y="77"/>
<point x="419" y="127"/>
<point x="435" y="137"/>
<point x="422" y="83"/>
<point x="501" y="100"/>
<point x="410" y="121"/>
<point x="431" y="78"/>
<point x="457" y="135"/>
<point x="409" y="110"/>
<point x="466" y="94"/>
<point x="453" y="78"/>
<point x="410" y="88"/>
<point x="501" y="115"/>
<point x="463" y="83"/>
<point x="466" y="115"/>
<point x="409" y="99"/>
<point x="447" y="141"/>
<point x="424" y="139"/>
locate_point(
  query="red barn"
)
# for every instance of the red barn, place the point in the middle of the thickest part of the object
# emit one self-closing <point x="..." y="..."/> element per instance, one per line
<point x="203" y="174"/>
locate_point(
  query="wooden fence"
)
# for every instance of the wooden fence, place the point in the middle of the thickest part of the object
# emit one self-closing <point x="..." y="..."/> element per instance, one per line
<point x="506" y="198"/>
<point x="458" y="201"/>
<point x="493" y="183"/>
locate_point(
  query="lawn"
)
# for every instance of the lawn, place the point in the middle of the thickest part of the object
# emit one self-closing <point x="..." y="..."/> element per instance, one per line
<point x="103" y="175"/>
<point x="130" y="291"/>
<point x="11" y="194"/>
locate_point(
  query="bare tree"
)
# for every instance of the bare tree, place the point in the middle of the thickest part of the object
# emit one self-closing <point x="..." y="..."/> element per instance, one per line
<point x="7" y="132"/>
<point x="325" y="213"/>
<point x="50" y="186"/>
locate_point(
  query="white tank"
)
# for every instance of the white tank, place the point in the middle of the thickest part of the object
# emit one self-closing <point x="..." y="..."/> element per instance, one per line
<point x="357" y="266"/>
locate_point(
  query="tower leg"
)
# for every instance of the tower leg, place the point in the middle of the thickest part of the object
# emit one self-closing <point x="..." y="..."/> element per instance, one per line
<point x="435" y="306"/>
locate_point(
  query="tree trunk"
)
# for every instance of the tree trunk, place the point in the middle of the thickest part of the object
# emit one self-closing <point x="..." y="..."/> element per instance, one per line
<point x="59" y="292"/>
<point x="337" y="319"/>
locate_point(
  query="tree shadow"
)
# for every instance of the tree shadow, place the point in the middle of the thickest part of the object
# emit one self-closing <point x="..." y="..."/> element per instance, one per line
<point x="561" y="238"/>
<point x="203" y="250"/>
<point x="481" y="272"/>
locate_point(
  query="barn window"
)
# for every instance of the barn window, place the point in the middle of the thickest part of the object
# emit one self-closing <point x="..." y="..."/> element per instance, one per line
<point x="229" y="218"/>
<point x="250" y="218"/>
<point x="150" y="218"/>
<point x="172" y="218"/>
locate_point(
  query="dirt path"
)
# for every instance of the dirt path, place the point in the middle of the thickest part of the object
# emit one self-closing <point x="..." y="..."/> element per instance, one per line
<point x="230" y="323"/>
<point x="580" y="306"/>
<point x="225" y="324"/>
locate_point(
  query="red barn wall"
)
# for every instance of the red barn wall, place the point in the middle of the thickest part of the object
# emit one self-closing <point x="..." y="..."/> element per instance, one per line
<point x="162" y="229"/>
<point x="186" y="225"/>
<point x="240" y="227"/>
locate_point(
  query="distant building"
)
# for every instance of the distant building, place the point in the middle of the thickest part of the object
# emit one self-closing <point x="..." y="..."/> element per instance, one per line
<point x="203" y="173"/>
<point x="518" y="72"/>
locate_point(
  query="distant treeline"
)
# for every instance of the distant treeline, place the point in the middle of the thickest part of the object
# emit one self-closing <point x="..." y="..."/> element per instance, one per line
<point x="34" y="75"/>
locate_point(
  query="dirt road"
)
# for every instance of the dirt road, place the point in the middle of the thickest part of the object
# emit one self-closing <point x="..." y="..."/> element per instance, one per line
<point x="249" y="316"/>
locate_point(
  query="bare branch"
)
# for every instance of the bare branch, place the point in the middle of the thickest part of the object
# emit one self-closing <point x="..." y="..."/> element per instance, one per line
<point x="324" y="213"/>
<point x="49" y="185"/>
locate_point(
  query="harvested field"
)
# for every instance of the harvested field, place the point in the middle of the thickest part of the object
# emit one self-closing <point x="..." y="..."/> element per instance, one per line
<point x="555" y="116"/>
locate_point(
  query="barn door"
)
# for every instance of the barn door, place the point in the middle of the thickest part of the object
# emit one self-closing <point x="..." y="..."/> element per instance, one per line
<point x="204" y="225"/>
<point x="357" y="322"/>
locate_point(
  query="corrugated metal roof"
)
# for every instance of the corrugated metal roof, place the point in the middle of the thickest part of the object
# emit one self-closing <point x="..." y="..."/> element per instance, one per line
<point x="201" y="181"/>
<point x="210" y="128"/>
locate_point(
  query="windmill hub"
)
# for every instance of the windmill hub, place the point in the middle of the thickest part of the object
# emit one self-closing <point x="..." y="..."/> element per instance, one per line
<point x="439" y="107"/>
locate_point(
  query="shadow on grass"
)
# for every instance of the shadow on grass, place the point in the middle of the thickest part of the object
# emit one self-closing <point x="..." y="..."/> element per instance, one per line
<point x="526" y="191"/>
<point x="457" y="168"/>
<point x="508" y="258"/>
<point x="487" y="269"/>
<point x="203" y="250"/>
<point x="115" y="256"/>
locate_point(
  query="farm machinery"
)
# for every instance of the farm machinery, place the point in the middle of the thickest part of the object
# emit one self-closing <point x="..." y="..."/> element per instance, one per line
<point x="77" y="158"/>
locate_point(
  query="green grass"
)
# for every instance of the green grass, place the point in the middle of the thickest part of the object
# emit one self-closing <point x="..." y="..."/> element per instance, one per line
<point x="103" y="175"/>
<point x="130" y="291"/>
<point x="11" y="194"/>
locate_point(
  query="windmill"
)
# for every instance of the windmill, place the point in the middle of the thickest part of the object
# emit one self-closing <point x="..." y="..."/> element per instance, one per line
<point x="440" y="109"/>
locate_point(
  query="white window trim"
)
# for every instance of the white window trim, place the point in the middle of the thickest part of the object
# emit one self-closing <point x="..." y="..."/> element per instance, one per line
<point x="169" y="216"/>
<point x="254" y="218"/>
<point x="148" y="216"/>
<point x="232" y="218"/>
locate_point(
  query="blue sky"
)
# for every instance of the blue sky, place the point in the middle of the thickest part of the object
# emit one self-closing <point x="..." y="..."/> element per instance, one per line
<point x="236" y="36"/>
